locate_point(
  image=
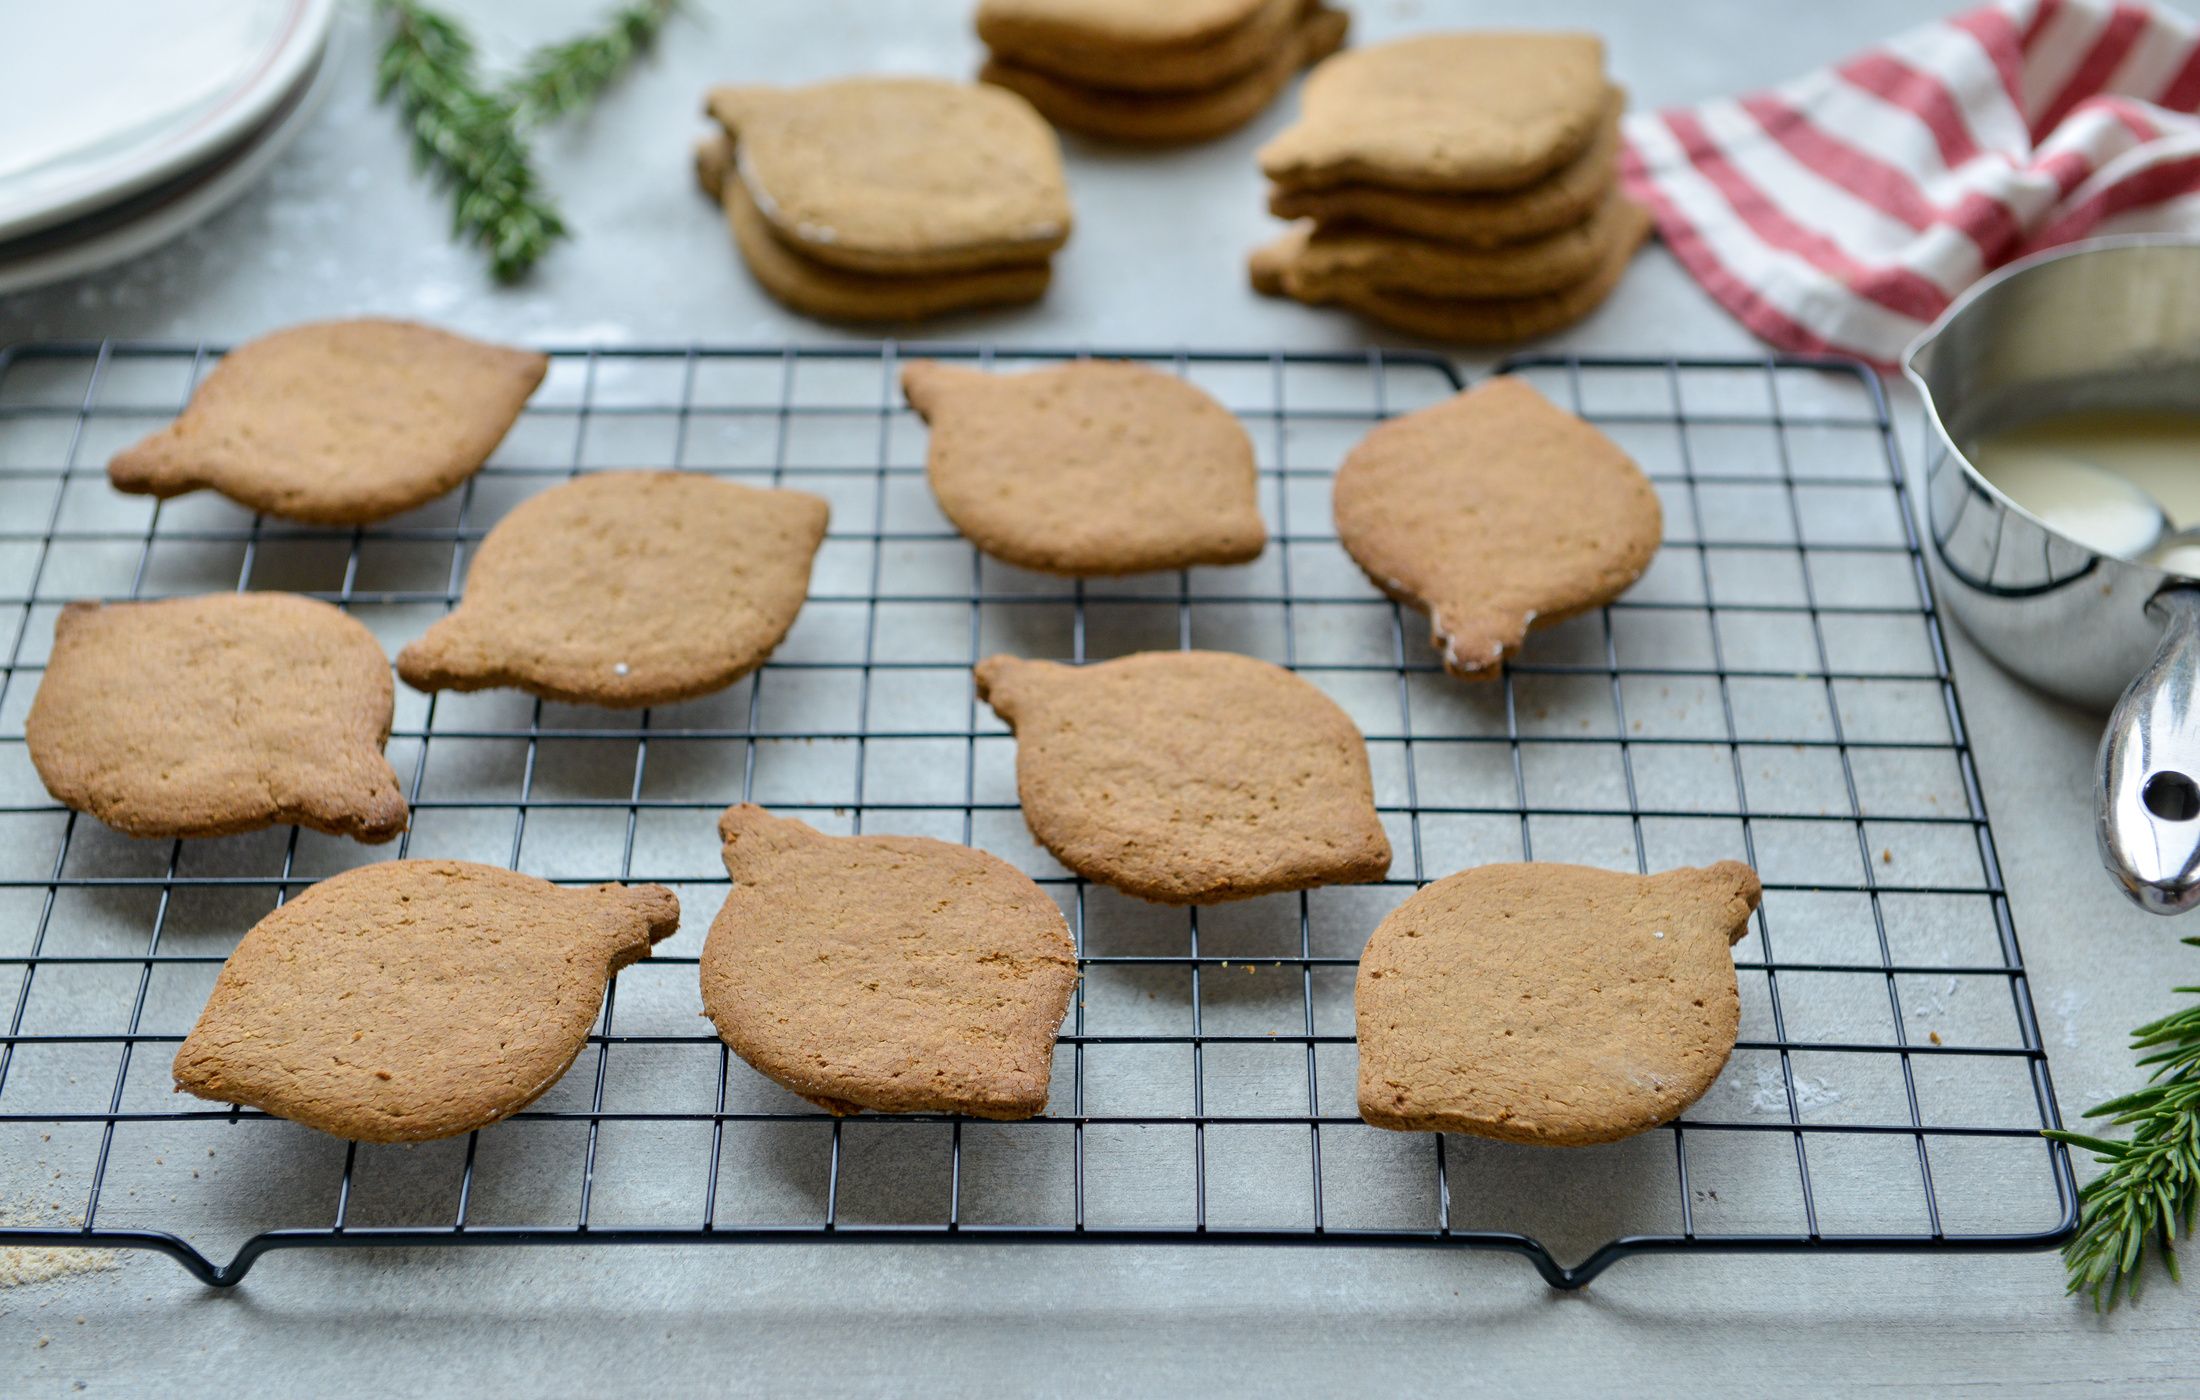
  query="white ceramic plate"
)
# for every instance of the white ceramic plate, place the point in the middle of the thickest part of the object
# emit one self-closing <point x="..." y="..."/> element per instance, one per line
<point x="154" y="216"/>
<point x="110" y="98"/>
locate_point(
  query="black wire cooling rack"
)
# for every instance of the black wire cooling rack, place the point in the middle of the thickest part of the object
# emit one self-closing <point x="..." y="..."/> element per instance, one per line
<point x="1775" y="689"/>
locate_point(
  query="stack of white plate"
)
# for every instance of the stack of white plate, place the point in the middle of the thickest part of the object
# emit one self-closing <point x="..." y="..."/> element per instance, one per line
<point x="127" y="121"/>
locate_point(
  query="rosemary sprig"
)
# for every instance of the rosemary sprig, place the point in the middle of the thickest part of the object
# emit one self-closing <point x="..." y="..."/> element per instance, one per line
<point x="2149" y="1187"/>
<point x="470" y="136"/>
<point x="474" y="136"/>
<point x="560" y="78"/>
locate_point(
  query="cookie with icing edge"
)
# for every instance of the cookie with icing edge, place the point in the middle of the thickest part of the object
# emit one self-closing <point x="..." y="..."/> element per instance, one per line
<point x="837" y="294"/>
<point x="905" y="177"/>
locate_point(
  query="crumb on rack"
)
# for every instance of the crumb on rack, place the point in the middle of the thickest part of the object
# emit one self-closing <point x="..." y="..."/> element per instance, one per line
<point x="35" y="1263"/>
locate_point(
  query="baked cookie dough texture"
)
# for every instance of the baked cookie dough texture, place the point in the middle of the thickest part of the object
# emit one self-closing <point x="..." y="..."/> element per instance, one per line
<point x="892" y="973"/>
<point x="1461" y="187"/>
<point x="1554" y="1005"/>
<point x="1189" y="777"/>
<point x="339" y="422"/>
<point x="1091" y="468"/>
<point x="216" y="715"/>
<point x="1494" y="512"/>
<point x="887" y="199"/>
<point x="626" y="589"/>
<point x="415" y="999"/>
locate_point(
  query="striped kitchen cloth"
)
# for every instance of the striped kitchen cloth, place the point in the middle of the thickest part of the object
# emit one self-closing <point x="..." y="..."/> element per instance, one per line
<point x="1844" y="210"/>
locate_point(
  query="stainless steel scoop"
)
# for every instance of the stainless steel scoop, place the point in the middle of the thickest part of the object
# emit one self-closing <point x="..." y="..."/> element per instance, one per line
<point x="2109" y="324"/>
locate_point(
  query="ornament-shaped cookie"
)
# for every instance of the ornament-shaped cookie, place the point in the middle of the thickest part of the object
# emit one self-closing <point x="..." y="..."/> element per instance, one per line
<point x="1097" y="467"/>
<point x="1495" y="511"/>
<point x="338" y="423"/>
<point x="1326" y="259"/>
<point x="1290" y="266"/>
<point x="626" y="588"/>
<point x="1556" y="1005"/>
<point x="899" y="176"/>
<point x="214" y="715"/>
<point x="1560" y="200"/>
<point x="835" y="293"/>
<point x="415" y="999"/>
<point x="1189" y="777"/>
<point x="1158" y="46"/>
<point x="1144" y="117"/>
<point x="1013" y="26"/>
<point x="1466" y="112"/>
<point x="891" y="973"/>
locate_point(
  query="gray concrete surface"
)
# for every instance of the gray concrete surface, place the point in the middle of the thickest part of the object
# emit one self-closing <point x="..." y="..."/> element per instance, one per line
<point x="341" y="228"/>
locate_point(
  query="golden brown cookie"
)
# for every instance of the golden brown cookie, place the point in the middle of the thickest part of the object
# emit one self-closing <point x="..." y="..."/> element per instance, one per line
<point x="1494" y="511"/>
<point x="1456" y="320"/>
<point x="1189" y="777"/>
<point x="1470" y="111"/>
<point x="625" y="589"/>
<point x="1010" y="25"/>
<point x="901" y="176"/>
<point x="714" y="164"/>
<point x="1097" y="467"/>
<point x="1559" y="200"/>
<point x="415" y="999"/>
<point x="836" y="294"/>
<point x="1554" y="1005"/>
<point x="208" y="716"/>
<point x="1171" y="118"/>
<point x="338" y="423"/>
<point x="1098" y="60"/>
<point x="1333" y="257"/>
<point x="892" y="973"/>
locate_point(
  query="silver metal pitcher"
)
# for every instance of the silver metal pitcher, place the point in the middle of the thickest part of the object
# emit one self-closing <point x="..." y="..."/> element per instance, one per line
<point x="2114" y="323"/>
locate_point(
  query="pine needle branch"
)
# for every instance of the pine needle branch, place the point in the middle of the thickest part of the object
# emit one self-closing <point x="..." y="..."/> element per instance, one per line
<point x="2149" y="1186"/>
<point x="560" y="78"/>
<point x="468" y="135"/>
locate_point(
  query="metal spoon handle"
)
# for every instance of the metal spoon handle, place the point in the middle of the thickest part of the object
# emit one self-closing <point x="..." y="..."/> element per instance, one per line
<point x="2149" y="771"/>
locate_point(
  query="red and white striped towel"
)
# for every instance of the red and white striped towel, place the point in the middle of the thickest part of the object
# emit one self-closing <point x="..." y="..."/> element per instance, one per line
<point x="1844" y="210"/>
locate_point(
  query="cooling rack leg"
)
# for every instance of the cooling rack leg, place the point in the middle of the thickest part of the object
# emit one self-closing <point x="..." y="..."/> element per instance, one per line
<point x="194" y="1263"/>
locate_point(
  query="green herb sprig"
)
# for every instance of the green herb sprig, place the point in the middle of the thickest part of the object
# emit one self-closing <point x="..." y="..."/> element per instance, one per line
<point x="2149" y="1187"/>
<point x="561" y="78"/>
<point x="473" y="135"/>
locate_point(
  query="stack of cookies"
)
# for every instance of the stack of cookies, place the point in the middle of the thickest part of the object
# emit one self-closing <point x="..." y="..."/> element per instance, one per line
<point x="887" y="199"/>
<point x="1457" y="186"/>
<point x="1154" y="72"/>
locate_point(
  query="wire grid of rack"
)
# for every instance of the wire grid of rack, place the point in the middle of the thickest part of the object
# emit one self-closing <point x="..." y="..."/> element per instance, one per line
<point x="1775" y="689"/>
